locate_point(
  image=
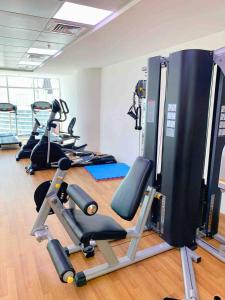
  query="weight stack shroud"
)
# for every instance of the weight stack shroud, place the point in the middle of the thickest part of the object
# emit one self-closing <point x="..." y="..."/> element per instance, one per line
<point x="184" y="143"/>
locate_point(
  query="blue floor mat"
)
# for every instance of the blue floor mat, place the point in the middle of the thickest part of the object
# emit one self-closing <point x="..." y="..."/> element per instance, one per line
<point x="108" y="171"/>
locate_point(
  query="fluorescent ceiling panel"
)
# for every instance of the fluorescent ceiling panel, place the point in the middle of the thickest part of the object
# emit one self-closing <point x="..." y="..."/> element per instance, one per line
<point x="81" y="13"/>
<point x="30" y="63"/>
<point x="42" y="51"/>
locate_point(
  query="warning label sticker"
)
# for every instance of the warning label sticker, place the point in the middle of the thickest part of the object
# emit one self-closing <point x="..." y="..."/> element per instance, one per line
<point x="172" y="107"/>
<point x="150" y="111"/>
<point x="221" y="131"/>
<point x="171" y="120"/>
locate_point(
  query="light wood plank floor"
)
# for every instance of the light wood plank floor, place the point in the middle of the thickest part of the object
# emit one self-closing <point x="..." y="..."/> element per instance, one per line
<point x="26" y="271"/>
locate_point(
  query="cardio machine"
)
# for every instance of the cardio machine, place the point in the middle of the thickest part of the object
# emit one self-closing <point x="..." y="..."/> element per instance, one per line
<point x="26" y="150"/>
<point x="37" y="131"/>
<point x="46" y="154"/>
<point x="7" y="139"/>
<point x="38" y="107"/>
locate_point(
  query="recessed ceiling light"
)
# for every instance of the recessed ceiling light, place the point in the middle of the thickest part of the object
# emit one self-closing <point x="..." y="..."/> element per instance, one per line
<point x="42" y="51"/>
<point x="30" y="63"/>
<point x="81" y="13"/>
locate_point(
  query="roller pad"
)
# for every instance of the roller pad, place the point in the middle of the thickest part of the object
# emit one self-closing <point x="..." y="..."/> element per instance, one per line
<point x="59" y="259"/>
<point x="81" y="198"/>
<point x="64" y="164"/>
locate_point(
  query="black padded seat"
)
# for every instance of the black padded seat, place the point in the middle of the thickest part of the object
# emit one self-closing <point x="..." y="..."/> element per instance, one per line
<point x="130" y="193"/>
<point x="96" y="227"/>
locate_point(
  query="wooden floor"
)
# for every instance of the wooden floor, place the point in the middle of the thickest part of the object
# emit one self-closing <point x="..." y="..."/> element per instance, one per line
<point x="26" y="271"/>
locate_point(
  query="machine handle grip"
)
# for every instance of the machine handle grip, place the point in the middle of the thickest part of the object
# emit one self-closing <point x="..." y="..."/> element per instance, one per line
<point x="64" y="106"/>
<point x="82" y="199"/>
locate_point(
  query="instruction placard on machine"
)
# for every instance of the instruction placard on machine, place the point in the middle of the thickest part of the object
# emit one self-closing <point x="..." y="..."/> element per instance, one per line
<point x="171" y="120"/>
<point x="150" y="111"/>
<point x="221" y="131"/>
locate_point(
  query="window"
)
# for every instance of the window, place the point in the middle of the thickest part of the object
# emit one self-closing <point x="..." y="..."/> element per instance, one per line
<point x="3" y="94"/>
<point x="22" y="92"/>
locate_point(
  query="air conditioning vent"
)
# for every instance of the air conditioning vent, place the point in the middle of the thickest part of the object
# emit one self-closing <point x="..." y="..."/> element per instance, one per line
<point x="67" y="29"/>
<point x="57" y="26"/>
<point x="36" y="56"/>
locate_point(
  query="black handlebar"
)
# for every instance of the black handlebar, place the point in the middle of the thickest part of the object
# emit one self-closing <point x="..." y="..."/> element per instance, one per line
<point x="64" y="106"/>
<point x="61" y="108"/>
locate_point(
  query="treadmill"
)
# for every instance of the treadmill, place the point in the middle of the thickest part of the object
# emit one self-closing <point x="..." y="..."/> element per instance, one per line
<point x="8" y="138"/>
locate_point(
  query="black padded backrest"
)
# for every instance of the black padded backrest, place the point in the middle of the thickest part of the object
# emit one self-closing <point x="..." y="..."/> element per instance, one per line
<point x="71" y="125"/>
<point x="128" y="196"/>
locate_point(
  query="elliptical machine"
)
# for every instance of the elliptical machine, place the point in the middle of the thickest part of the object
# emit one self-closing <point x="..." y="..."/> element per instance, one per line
<point x="46" y="154"/>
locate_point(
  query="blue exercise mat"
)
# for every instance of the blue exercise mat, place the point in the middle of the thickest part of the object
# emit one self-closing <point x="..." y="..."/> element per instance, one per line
<point x="108" y="171"/>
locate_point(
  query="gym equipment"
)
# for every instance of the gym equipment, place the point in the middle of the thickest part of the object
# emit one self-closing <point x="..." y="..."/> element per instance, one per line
<point x="62" y="137"/>
<point x="169" y="183"/>
<point x="40" y="106"/>
<point x="87" y="229"/>
<point x="210" y="221"/>
<point x="186" y="194"/>
<point x="214" y="187"/>
<point x="7" y="139"/>
<point x="26" y="150"/>
<point x="109" y="171"/>
<point x="85" y="226"/>
<point x="41" y="192"/>
<point x="68" y="136"/>
<point x="46" y="154"/>
<point x="135" y="111"/>
<point x="40" y="110"/>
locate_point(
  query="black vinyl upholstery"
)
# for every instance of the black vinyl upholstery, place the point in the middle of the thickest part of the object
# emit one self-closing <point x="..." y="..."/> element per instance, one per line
<point x="129" y="194"/>
<point x="81" y="198"/>
<point x="125" y="203"/>
<point x="96" y="227"/>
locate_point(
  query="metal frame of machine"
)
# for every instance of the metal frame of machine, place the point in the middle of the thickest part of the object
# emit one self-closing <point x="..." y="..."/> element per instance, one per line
<point x="113" y="263"/>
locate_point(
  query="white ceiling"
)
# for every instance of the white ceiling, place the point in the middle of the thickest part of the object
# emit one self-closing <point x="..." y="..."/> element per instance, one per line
<point x="148" y="26"/>
<point x="23" y="25"/>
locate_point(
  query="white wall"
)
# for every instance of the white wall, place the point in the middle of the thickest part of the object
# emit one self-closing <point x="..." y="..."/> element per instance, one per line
<point x="82" y="93"/>
<point x="117" y="135"/>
